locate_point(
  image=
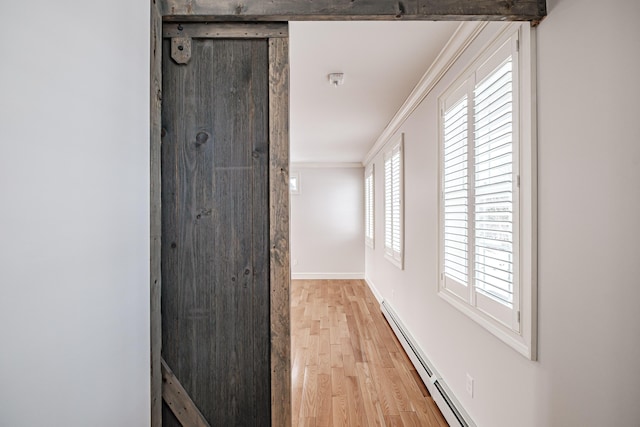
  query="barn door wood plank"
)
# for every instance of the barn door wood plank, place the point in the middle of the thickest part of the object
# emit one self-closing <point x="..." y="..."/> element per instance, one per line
<point x="486" y="10"/>
<point x="279" y="220"/>
<point x="215" y="229"/>
<point x="227" y="30"/>
<point x="155" y="214"/>
<point x="292" y="10"/>
<point x="178" y="400"/>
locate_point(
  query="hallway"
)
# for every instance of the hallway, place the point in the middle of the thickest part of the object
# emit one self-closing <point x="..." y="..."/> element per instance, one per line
<point x="348" y="369"/>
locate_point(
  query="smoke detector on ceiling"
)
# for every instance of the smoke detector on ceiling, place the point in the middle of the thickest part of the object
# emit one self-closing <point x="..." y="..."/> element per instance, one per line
<point x="336" y="79"/>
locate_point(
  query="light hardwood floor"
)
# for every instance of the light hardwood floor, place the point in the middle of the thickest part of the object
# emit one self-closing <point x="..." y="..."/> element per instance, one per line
<point x="348" y="368"/>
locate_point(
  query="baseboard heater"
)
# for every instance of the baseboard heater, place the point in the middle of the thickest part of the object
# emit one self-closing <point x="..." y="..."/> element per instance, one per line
<point x="449" y="406"/>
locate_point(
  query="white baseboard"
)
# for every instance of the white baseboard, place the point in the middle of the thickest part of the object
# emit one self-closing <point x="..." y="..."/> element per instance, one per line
<point x="450" y="407"/>
<point x="327" y="276"/>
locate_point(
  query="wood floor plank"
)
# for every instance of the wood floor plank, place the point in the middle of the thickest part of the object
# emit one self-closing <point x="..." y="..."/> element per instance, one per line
<point x="302" y="337"/>
<point x="348" y="357"/>
<point x="419" y="383"/>
<point x="340" y="410"/>
<point x="357" y="413"/>
<point x="370" y="396"/>
<point x="315" y="327"/>
<point x="348" y="368"/>
<point x="410" y="419"/>
<point x="324" y="346"/>
<point x="297" y="381"/>
<point x="336" y="356"/>
<point x="393" y="420"/>
<point x="324" y="395"/>
<point x="312" y="350"/>
<point x="398" y="390"/>
<point x="307" y="422"/>
<point x="309" y="392"/>
<point x="324" y="364"/>
<point x="337" y="382"/>
<point x="385" y="393"/>
<point x="355" y="338"/>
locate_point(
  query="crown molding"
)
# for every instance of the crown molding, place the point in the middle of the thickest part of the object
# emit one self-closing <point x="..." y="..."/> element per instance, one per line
<point x="457" y="44"/>
<point x="320" y="165"/>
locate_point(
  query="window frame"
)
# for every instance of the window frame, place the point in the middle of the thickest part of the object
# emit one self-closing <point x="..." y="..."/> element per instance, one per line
<point x="396" y="257"/>
<point x="517" y="327"/>
<point x="370" y="206"/>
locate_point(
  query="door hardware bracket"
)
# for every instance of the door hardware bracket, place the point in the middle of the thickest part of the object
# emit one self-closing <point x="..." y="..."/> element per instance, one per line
<point x="181" y="49"/>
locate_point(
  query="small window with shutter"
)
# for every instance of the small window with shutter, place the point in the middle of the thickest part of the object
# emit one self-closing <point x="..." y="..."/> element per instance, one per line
<point x="369" y="206"/>
<point x="393" y="203"/>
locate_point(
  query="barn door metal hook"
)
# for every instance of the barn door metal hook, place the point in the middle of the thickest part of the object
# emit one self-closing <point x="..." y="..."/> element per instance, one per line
<point x="181" y="49"/>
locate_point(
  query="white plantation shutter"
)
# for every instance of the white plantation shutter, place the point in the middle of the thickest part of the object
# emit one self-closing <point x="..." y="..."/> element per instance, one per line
<point x="487" y="177"/>
<point x="479" y="188"/>
<point x="493" y="166"/>
<point x="388" y="204"/>
<point x="369" y="206"/>
<point x="395" y="191"/>
<point x="455" y="185"/>
<point x="393" y="176"/>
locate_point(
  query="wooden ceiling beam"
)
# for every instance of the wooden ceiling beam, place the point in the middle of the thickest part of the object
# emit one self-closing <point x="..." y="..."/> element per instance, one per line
<point x="342" y="10"/>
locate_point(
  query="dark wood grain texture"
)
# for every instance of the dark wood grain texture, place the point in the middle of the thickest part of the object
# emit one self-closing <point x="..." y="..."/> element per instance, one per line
<point x="289" y="10"/>
<point x="178" y="400"/>
<point x="155" y="333"/>
<point x="227" y="30"/>
<point x="279" y="226"/>
<point x="215" y="245"/>
<point x="509" y="10"/>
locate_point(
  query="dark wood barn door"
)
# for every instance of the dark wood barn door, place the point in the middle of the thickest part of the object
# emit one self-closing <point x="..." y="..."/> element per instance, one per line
<point x="217" y="227"/>
<point x="188" y="291"/>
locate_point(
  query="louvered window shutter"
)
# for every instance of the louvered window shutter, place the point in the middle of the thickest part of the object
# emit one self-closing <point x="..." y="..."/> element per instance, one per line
<point x="455" y="192"/>
<point x="478" y="242"/>
<point x="493" y="167"/>
<point x="487" y="178"/>
<point x="388" y="204"/>
<point x="393" y="176"/>
<point x="395" y="191"/>
<point x="369" y="197"/>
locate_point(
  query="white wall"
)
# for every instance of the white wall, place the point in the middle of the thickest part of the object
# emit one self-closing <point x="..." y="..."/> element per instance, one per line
<point x="327" y="223"/>
<point x="589" y="205"/>
<point x="588" y="373"/>
<point x="74" y="213"/>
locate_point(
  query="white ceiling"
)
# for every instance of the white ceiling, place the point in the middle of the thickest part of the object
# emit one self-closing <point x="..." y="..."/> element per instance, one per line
<point x="382" y="63"/>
